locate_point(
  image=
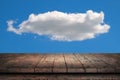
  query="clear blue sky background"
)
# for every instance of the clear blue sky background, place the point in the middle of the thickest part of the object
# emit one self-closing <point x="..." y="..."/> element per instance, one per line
<point x="20" y="10"/>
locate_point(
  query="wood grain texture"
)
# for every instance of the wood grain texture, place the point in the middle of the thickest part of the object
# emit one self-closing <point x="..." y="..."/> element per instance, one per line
<point x="59" y="63"/>
<point x="89" y="66"/>
<point x="45" y="64"/>
<point x="73" y="65"/>
<point x="61" y="77"/>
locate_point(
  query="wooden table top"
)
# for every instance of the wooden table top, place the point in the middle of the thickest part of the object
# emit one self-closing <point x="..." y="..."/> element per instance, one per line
<point x="59" y="63"/>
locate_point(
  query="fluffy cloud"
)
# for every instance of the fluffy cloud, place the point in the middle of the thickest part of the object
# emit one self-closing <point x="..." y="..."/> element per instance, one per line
<point x="63" y="26"/>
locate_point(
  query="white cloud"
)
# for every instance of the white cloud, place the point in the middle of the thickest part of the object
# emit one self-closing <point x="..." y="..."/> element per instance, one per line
<point x="63" y="26"/>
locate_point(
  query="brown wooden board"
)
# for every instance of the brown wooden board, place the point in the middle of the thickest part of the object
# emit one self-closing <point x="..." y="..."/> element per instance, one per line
<point x="73" y="65"/>
<point x="88" y="65"/>
<point x="111" y="60"/>
<point x="20" y="63"/>
<point x="59" y="63"/>
<point x="100" y="64"/>
<point x="45" y="65"/>
<point x="60" y="77"/>
<point x="12" y="63"/>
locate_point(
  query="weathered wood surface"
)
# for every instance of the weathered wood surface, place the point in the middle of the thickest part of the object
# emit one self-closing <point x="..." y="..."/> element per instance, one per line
<point x="59" y="63"/>
<point x="60" y="77"/>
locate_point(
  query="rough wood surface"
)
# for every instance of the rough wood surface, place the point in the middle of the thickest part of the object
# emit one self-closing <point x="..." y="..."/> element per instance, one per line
<point x="61" y="77"/>
<point x="59" y="63"/>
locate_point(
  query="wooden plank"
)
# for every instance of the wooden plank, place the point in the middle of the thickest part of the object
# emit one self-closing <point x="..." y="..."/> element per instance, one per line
<point x="5" y="61"/>
<point x="102" y="67"/>
<point x="112" y="60"/>
<point x="12" y="65"/>
<point x="45" y="65"/>
<point x="24" y="63"/>
<point x="88" y="65"/>
<point x="61" y="77"/>
<point x="115" y="58"/>
<point x="73" y="65"/>
<point x="59" y="64"/>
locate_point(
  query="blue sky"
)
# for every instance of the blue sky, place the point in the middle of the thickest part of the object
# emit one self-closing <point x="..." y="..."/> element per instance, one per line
<point x="19" y="10"/>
